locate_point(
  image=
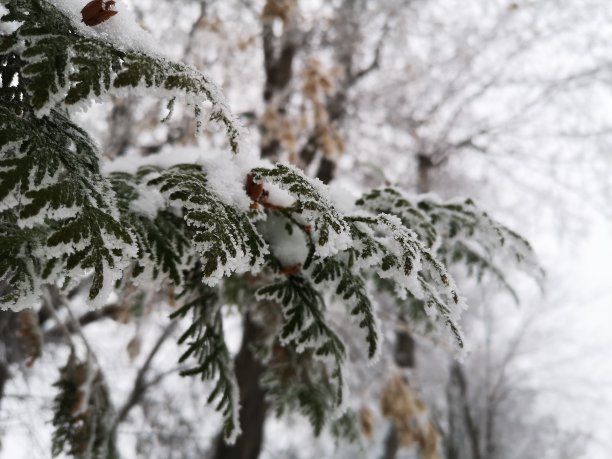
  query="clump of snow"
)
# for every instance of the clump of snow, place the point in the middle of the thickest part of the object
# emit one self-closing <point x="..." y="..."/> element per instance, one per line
<point x="121" y="30"/>
<point x="318" y="211"/>
<point x="226" y="174"/>
<point x="278" y="197"/>
<point x="336" y="242"/>
<point x="149" y="202"/>
<point x="164" y="159"/>
<point x="240" y="262"/>
<point x="10" y="201"/>
<point x="343" y="198"/>
<point x="289" y="249"/>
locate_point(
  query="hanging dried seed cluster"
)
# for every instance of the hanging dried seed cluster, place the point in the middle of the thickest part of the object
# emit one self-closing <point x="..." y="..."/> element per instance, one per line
<point x="408" y="413"/>
<point x="318" y="88"/>
<point x="366" y="420"/>
<point x="31" y="337"/>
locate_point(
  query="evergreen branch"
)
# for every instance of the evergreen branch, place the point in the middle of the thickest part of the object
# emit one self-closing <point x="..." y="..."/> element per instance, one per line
<point x="470" y="257"/>
<point x="61" y="65"/>
<point x="394" y="202"/>
<point x="164" y="245"/>
<point x="206" y="344"/>
<point x="224" y="236"/>
<point x="330" y="231"/>
<point x="351" y="288"/>
<point x="400" y="257"/>
<point x="299" y="382"/>
<point x="346" y="427"/>
<point x="443" y="225"/>
<point x="58" y="209"/>
<point x="83" y="414"/>
<point x="19" y="268"/>
<point x="305" y="326"/>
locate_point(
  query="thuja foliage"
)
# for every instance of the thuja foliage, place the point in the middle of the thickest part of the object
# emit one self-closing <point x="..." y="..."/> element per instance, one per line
<point x="63" y="223"/>
<point x="84" y="416"/>
<point x="205" y="343"/>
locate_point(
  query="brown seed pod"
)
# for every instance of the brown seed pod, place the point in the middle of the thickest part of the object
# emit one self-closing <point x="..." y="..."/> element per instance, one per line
<point x="258" y="194"/>
<point x="98" y="11"/>
<point x="31" y="336"/>
<point x="291" y="270"/>
<point x="254" y="190"/>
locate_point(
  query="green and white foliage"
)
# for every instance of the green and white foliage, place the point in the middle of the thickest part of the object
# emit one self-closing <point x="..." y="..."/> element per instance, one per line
<point x="193" y="225"/>
<point x="65" y="62"/>
<point x="459" y="233"/>
<point x="223" y="235"/>
<point x="400" y="257"/>
<point x="350" y="289"/>
<point x="305" y="327"/>
<point x="206" y="344"/>
<point x="354" y="247"/>
<point x="312" y="205"/>
<point x="52" y="191"/>
<point x="84" y="417"/>
<point x="299" y="382"/>
<point x="164" y="247"/>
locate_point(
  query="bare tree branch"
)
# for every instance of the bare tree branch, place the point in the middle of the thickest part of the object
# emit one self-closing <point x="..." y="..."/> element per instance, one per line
<point x="140" y="383"/>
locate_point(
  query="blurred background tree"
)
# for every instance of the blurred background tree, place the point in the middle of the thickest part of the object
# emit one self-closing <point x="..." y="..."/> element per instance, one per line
<point x="503" y="101"/>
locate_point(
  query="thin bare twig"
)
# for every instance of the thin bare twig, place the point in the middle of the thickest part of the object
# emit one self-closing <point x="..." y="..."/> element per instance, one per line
<point x="140" y="383"/>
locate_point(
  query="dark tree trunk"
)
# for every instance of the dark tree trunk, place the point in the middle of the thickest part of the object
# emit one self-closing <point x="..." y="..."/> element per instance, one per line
<point x="489" y="448"/>
<point x="4" y="377"/>
<point x="252" y="400"/>
<point x="391" y="444"/>
<point x="460" y="415"/>
<point x="279" y="53"/>
<point x="327" y="170"/>
<point x="405" y="348"/>
<point x="9" y="345"/>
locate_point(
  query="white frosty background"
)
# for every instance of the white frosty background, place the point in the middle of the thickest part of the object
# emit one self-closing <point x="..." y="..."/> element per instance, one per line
<point x="555" y="189"/>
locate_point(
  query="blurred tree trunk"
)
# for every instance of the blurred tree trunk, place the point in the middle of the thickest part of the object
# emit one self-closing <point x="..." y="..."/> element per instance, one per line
<point x="5" y="319"/>
<point x="279" y="55"/>
<point x="10" y="351"/>
<point x="462" y="441"/>
<point x="252" y="400"/>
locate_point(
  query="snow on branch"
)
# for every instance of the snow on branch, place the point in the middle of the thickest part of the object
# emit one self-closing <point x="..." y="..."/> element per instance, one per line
<point x="63" y="63"/>
<point x="194" y="224"/>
